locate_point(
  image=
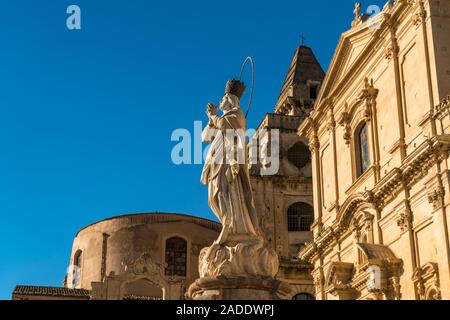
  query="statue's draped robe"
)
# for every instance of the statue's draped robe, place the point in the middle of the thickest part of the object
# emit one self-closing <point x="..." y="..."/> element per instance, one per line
<point x="230" y="198"/>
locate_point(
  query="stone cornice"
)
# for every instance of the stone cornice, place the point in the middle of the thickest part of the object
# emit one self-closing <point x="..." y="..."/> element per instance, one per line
<point x="414" y="167"/>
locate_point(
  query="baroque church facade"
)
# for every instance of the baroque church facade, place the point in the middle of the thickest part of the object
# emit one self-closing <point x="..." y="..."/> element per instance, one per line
<point x="359" y="206"/>
<point x="379" y="137"/>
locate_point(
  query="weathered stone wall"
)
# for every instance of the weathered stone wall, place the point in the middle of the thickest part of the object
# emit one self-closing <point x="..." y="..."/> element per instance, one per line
<point x="128" y="237"/>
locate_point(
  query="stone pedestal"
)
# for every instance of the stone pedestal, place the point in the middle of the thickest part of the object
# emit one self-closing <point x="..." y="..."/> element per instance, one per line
<point x="238" y="288"/>
<point x="242" y="268"/>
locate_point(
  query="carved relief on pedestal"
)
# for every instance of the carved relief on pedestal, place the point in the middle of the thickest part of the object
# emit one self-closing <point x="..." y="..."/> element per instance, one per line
<point x="196" y="248"/>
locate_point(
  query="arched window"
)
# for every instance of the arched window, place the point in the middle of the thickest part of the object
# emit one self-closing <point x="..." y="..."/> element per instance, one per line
<point x="176" y="257"/>
<point x="299" y="155"/>
<point x="362" y="151"/>
<point x="304" y="297"/>
<point x="300" y="217"/>
<point x="76" y="275"/>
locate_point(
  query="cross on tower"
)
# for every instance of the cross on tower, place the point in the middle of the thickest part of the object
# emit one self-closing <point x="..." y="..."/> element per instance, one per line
<point x="303" y="39"/>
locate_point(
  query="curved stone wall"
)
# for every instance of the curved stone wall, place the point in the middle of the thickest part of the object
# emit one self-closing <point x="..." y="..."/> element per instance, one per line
<point x="106" y="245"/>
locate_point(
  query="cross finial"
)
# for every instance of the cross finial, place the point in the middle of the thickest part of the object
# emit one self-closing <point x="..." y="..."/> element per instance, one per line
<point x="357" y="10"/>
<point x="303" y="39"/>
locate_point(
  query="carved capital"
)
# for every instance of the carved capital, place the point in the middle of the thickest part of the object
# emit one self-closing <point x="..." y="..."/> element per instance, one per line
<point x="436" y="197"/>
<point x="331" y="125"/>
<point x="391" y="51"/>
<point x="404" y="221"/>
<point x="421" y="16"/>
<point x="313" y="143"/>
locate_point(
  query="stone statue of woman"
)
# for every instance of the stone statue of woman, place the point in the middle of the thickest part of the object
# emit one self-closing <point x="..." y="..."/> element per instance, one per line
<point x="241" y="248"/>
<point x="226" y="171"/>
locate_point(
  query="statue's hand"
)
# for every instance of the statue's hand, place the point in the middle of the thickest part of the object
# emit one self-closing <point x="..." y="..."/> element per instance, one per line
<point x="212" y="110"/>
<point x="235" y="169"/>
<point x="232" y="171"/>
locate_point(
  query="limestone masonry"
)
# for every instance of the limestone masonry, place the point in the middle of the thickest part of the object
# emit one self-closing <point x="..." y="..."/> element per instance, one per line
<point x="360" y="206"/>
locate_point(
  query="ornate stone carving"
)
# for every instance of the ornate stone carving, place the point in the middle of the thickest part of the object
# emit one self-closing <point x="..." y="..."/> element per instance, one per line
<point x="344" y="121"/>
<point x="404" y="221"/>
<point x="242" y="255"/>
<point x="426" y="280"/>
<point x="368" y="221"/>
<point x="331" y="125"/>
<point x="241" y="248"/>
<point x="359" y="17"/>
<point x="196" y="248"/>
<point x="145" y="266"/>
<point x="318" y="279"/>
<point x="240" y="263"/>
<point x="362" y="223"/>
<point x="338" y="281"/>
<point x="420" y="17"/>
<point x="436" y="197"/>
<point x="391" y="51"/>
<point x="395" y="288"/>
<point x="442" y="109"/>
<point x="368" y="95"/>
<point x="430" y="152"/>
<point x="378" y="271"/>
<point x="313" y="143"/>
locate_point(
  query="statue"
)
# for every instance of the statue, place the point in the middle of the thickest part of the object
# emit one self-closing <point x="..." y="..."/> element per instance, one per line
<point x="357" y="10"/>
<point x="241" y="249"/>
<point x="357" y="13"/>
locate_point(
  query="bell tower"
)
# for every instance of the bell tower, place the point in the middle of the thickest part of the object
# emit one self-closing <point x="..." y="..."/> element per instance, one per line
<point x="284" y="200"/>
<point x="301" y="85"/>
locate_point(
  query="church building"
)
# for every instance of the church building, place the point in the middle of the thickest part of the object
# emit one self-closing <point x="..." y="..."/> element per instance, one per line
<point x="360" y="205"/>
<point x="379" y="137"/>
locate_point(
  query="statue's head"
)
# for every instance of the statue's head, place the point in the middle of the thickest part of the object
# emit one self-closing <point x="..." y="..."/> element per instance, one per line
<point x="233" y="93"/>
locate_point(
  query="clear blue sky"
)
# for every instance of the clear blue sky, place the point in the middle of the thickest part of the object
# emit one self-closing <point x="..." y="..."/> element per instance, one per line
<point x="86" y="116"/>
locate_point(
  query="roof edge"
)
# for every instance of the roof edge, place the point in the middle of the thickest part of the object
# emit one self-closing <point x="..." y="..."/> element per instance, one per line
<point x="146" y="213"/>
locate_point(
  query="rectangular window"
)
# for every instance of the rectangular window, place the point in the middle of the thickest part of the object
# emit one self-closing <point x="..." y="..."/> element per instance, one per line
<point x="313" y="92"/>
<point x="363" y="151"/>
